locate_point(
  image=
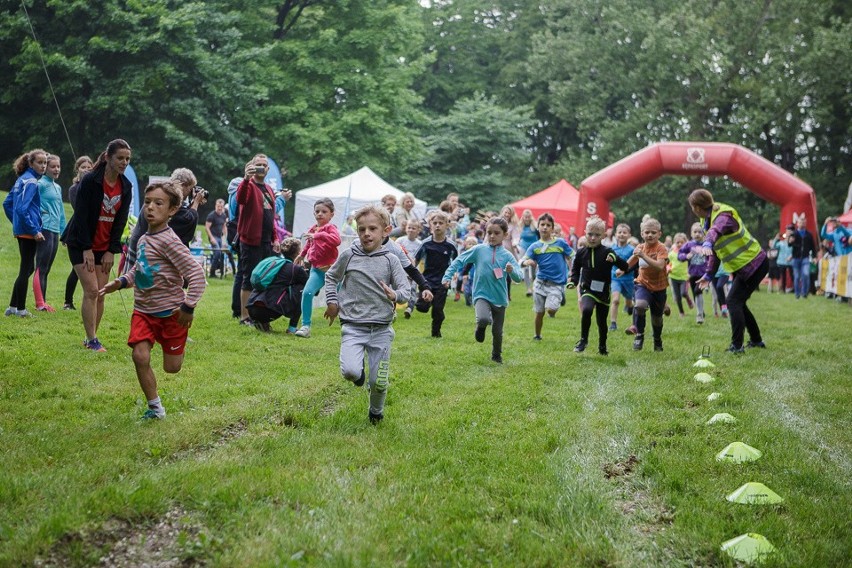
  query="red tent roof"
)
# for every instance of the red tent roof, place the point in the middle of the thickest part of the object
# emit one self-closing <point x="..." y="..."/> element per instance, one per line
<point x="560" y="200"/>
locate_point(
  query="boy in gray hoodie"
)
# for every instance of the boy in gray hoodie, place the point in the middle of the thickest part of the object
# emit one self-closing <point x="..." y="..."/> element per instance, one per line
<point x="363" y="288"/>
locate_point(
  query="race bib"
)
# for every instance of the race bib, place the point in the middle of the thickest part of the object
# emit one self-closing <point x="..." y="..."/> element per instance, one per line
<point x="597" y="286"/>
<point x="498" y="272"/>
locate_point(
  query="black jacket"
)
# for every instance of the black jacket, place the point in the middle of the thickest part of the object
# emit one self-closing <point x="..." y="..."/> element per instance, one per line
<point x="802" y="247"/>
<point x="81" y="228"/>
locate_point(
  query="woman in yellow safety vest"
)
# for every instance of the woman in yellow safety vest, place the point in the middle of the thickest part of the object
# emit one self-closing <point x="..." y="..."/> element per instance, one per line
<point x="729" y="242"/>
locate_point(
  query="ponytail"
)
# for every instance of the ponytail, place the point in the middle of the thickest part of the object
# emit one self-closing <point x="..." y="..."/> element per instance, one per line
<point x="23" y="161"/>
<point x="111" y="149"/>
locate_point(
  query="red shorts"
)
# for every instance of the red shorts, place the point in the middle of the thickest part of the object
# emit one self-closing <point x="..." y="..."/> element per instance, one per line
<point x="165" y="331"/>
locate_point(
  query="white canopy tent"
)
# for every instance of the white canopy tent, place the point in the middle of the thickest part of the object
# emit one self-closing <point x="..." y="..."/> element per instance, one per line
<point x="362" y="187"/>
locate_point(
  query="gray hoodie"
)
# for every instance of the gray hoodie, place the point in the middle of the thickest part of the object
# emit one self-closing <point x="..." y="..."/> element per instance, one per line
<point x="353" y="283"/>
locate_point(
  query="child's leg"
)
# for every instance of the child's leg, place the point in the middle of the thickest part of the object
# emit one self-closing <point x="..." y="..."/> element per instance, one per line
<point x="353" y="342"/>
<point x="378" y="357"/>
<point x="539" y="305"/>
<point x="613" y="307"/>
<point x="439" y="300"/>
<point x="657" y="305"/>
<point x="315" y="283"/>
<point x="677" y="290"/>
<point x="482" y="309"/>
<point x="601" y="313"/>
<point x="539" y="322"/>
<point x="498" y="316"/>
<point x="643" y="301"/>
<point x="147" y="380"/>
<point x="587" y="306"/>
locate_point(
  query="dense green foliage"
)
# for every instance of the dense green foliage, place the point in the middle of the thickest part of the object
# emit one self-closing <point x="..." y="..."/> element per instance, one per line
<point x="496" y="99"/>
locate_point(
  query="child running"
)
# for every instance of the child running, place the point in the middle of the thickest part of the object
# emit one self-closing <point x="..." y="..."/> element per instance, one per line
<point x="550" y="256"/>
<point x="652" y="258"/>
<point x="363" y="287"/>
<point x="492" y="263"/>
<point x="437" y="252"/>
<point x="320" y="251"/>
<point x="695" y="268"/>
<point x="592" y="271"/>
<point x="623" y="285"/>
<point x="410" y="244"/>
<point x="162" y="311"/>
<point x="678" y="273"/>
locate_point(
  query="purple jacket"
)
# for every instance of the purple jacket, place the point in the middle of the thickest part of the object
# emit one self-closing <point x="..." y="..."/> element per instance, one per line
<point x="724" y="225"/>
<point x="696" y="263"/>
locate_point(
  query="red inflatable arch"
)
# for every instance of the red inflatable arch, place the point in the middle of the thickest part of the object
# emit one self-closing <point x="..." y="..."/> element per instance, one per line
<point x="759" y="175"/>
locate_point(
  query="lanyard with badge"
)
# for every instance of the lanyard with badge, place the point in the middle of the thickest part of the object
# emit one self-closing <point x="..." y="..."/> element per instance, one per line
<point x="498" y="271"/>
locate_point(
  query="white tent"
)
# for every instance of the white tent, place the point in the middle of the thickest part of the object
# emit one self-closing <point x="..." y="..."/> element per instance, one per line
<point x="348" y="193"/>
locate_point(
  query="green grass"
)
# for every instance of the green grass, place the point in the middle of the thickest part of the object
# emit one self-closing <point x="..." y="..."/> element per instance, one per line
<point x="270" y="456"/>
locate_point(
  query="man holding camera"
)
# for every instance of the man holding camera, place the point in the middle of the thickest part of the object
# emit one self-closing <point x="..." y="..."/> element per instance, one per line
<point x="255" y="225"/>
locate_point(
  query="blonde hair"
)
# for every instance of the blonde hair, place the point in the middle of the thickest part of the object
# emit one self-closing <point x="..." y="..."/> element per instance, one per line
<point x="438" y="214"/>
<point x="184" y="176"/>
<point x="595" y="222"/>
<point x="470" y="242"/>
<point x="625" y="225"/>
<point x="698" y="226"/>
<point x="171" y="190"/>
<point x="680" y="236"/>
<point x="290" y="247"/>
<point x="380" y="212"/>
<point x="651" y="223"/>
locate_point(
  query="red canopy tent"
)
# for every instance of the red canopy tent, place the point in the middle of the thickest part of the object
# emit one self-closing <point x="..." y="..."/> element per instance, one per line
<point x="560" y="200"/>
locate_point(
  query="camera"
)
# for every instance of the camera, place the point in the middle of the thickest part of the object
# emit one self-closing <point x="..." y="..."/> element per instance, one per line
<point x="259" y="169"/>
<point x="200" y="190"/>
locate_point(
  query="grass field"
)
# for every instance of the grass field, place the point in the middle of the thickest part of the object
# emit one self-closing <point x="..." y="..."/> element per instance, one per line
<point x="552" y="459"/>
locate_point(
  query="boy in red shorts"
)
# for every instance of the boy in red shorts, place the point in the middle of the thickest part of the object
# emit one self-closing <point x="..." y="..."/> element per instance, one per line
<point x="162" y="310"/>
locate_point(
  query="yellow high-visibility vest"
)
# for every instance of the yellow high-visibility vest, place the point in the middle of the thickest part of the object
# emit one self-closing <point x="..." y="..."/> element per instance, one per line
<point x="737" y="249"/>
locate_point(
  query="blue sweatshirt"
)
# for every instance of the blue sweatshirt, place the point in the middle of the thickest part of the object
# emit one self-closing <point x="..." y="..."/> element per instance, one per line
<point x="486" y="284"/>
<point x="23" y="205"/>
<point x="52" y="209"/>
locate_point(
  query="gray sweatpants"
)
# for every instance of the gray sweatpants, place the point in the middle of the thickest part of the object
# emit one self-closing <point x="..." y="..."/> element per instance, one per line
<point x="489" y="314"/>
<point x="372" y="342"/>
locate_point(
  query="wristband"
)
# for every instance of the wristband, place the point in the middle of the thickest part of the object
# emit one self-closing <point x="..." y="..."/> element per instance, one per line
<point x="122" y="282"/>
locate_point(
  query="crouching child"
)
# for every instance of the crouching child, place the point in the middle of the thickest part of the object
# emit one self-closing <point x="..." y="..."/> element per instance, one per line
<point x="363" y="287"/>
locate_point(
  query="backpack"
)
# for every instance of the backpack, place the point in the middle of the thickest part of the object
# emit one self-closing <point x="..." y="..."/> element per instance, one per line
<point x="281" y="299"/>
<point x="266" y="271"/>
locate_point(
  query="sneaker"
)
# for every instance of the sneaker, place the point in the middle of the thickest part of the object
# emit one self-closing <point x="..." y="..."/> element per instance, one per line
<point x="753" y="344"/>
<point x="536" y="338"/>
<point x="290" y="330"/>
<point x="436" y="334"/>
<point x="479" y="334"/>
<point x="631" y="330"/>
<point x="94" y="345"/>
<point x="658" y="345"/>
<point x="458" y="297"/>
<point x="689" y="302"/>
<point x="247" y="322"/>
<point x="304" y="331"/>
<point x="262" y="326"/>
<point x="667" y="311"/>
<point x="613" y="326"/>
<point x="724" y="311"/>
<point x="699" y="319"/>
<point x="46" y="308"/>
<point x="152" y="414"/>
<point x="638" y="342"/>
<point x="69" y="307"/>
<point x="24" y="314"/>
<point x="407" y="313"/>
<point x="580" y="346"/>
<point x="628" y="310"/>
<point x="602" y="351"/>
<point x="375" y="418"/>
<point x="361" y="380"/>
<point x="10" y="311"/>
<point x="497" y="359"/>
<point x="733" y="349"/>
<point x="529" y="293"/>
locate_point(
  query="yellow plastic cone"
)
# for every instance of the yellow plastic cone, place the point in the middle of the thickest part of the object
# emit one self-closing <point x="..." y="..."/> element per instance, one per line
<point x="703" y="378"/>
<point x="749" y="547"/>
<point x="722" y="417"/>
<point x="738" y="452"/>
<point x="704" y="364"/>
<point x="754" y="493"/>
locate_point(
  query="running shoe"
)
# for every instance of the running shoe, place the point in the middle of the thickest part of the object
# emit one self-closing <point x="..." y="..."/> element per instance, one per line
<point x="304" y="331"/>
<point x="152" y="414"/>
<point x="94" y="345"/>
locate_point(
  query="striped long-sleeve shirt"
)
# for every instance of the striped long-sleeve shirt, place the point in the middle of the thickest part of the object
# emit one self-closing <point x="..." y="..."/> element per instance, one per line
<point x="162" y="263"/>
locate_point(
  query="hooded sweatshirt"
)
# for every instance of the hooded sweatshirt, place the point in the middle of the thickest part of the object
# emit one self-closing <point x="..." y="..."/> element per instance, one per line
<point x="352" y="283"/>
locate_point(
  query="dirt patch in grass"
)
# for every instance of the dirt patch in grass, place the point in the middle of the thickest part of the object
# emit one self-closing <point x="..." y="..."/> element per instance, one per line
<point x="620" y="468"/>
<point x="173" y="540"/>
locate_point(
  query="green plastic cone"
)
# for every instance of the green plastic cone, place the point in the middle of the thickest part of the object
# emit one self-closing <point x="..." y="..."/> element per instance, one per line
<point x="738" y="452"/>
<point x="754" y="493"/>
<point x="713" y="396"/>
<point x="722" y="417"/>
<point x="703" y="378"/>
<point x="749" y="547"/>
<point x="704" y="364"/>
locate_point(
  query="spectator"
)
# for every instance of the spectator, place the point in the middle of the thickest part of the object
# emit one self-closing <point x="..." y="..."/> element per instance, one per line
<point x="23" y="208"/>
<point x="785" y="260"/>
<point x="803" y="247"/>
<point x="82" y="166"/>
<point x="216" y="232"/>
<point x="839" y="236"/>
<point x="53" y="223"/>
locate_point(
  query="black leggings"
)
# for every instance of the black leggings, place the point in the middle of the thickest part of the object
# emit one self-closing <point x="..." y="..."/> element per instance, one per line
<point x="27" y="248"/>
<point x="587" y="306"/>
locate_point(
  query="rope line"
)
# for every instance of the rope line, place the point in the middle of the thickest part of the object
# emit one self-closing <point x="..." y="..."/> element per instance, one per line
<point x="49" y="82"/>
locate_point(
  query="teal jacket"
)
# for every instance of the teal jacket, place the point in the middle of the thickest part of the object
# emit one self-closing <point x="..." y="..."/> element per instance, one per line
<point x="486" y="284"/>
<point x="52" y="209"/>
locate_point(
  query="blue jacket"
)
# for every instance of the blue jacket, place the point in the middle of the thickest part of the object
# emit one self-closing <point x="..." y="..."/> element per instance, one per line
<point x="52" y="208"/>
<point x="840" y="237"/>
<point x="23" y="205"/>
